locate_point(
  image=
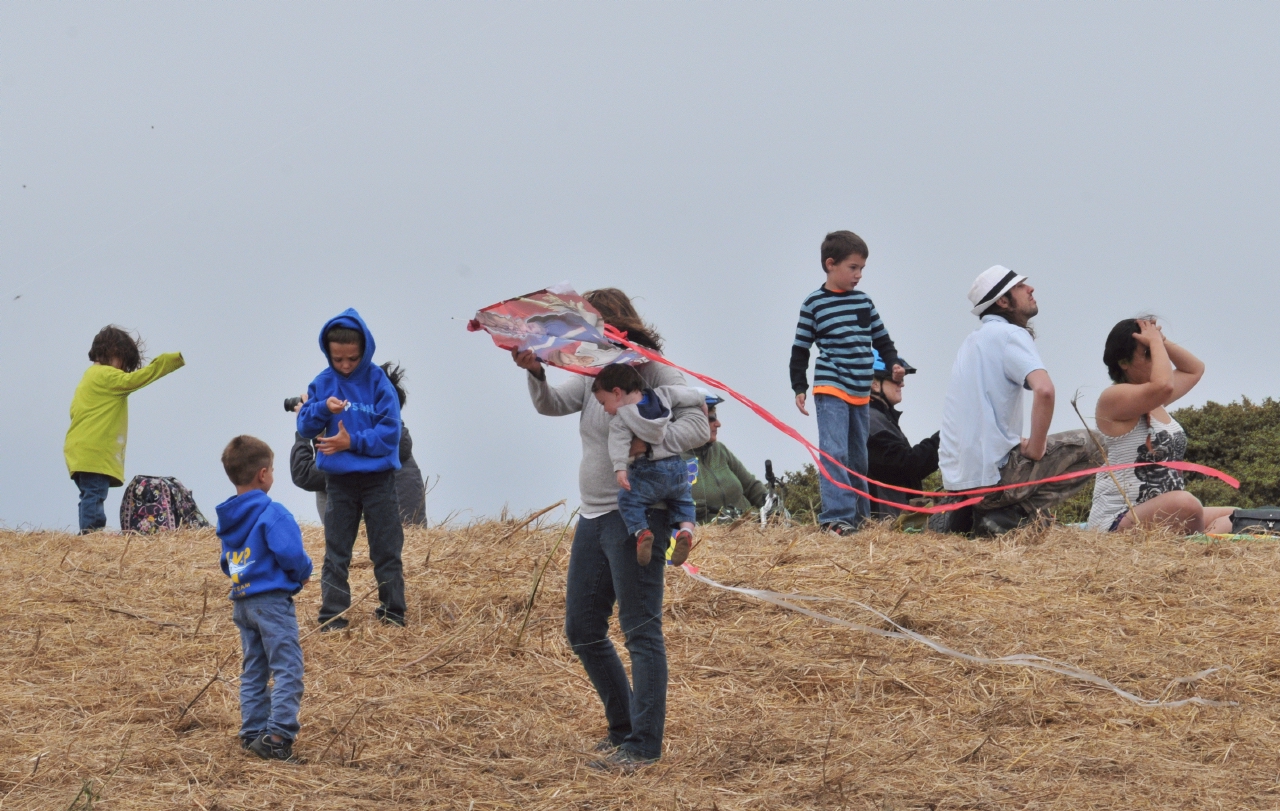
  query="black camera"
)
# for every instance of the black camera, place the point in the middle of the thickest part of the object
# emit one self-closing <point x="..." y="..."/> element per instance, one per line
<point x="290" y="403"/>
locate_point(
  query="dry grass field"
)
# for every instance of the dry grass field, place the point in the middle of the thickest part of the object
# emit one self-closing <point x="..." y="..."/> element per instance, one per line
<point x="107" y="640"/>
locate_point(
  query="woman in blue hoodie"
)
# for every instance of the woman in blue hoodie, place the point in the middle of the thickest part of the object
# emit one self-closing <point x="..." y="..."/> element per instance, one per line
<point x="353" y="412"/>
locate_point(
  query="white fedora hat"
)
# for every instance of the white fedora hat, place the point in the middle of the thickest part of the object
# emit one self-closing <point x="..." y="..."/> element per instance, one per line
<point x="990" y="285"/>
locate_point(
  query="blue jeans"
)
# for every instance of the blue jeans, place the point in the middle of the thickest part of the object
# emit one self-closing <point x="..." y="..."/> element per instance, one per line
<point x="842" y="432"/>
<point x="93" y="491"/>
<point x="652" y="482"/>
<point x="603" y="570"/>
<point x="269" y="638"/>
<point x="373" y="495"/>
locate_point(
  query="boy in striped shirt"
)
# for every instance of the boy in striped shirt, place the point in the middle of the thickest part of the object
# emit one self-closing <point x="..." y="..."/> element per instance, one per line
<point x="844" y="324"/>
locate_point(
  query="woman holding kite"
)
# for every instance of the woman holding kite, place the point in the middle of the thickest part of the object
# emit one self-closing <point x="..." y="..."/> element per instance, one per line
<point x="1148" y="372"/>
<point x="602" y="562"/>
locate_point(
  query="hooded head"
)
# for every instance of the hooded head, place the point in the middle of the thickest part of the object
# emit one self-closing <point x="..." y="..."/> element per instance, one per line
<point x="348" y="321"/>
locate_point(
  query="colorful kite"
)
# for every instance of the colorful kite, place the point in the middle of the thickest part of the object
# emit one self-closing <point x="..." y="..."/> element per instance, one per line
<point x="558" y="325"/>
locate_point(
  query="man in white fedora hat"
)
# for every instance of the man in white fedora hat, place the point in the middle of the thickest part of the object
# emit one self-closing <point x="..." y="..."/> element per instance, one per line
<point x="981" y="441"/>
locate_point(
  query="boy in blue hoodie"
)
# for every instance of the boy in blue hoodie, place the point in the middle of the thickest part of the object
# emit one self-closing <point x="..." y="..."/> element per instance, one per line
<point x="354" y="410"/>
<point x="262" y="553"/>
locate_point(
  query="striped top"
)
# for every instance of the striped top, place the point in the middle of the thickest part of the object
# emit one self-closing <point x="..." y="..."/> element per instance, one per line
<point x="1148" y="441"/>
<point x="846" y="327"/>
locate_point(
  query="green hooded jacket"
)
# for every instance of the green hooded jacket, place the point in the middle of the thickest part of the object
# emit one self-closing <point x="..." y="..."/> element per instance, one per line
<point x="723" y="482"/>
<point x="100" y="416"/>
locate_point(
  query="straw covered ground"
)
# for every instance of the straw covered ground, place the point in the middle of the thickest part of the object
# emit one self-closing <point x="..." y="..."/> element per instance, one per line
<point x="107" y="640"/>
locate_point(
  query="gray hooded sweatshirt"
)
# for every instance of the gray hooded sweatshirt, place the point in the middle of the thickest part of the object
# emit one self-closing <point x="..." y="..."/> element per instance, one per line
<point x="597" y="485"/>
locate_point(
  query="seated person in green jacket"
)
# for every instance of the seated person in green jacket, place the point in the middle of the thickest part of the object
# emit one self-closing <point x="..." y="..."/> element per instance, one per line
<point x="724" y="487"/>
<point x="891" y="457"/>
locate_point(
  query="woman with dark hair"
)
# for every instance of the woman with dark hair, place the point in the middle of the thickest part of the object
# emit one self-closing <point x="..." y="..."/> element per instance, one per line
<point x="1148" y="372"/>
<point x="602" y="562"/>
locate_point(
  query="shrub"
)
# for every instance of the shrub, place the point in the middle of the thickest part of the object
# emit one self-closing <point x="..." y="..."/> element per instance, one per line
<point x="801" y="495"/>
<point x="1241" y="439"/>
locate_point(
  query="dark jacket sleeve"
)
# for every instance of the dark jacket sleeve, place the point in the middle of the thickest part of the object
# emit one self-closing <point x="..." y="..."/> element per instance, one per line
<point x="752" y="487"/>
<point x="799" y="369"/>
<point x="302" y="465"/>
<point x="890" y="452"/>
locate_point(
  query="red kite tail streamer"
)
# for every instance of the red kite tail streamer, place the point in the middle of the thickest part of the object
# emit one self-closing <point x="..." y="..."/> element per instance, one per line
<point x="967" y="497"/>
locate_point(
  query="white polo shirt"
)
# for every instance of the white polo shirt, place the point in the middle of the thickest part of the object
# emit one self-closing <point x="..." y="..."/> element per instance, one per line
<point x="982" y="415"/>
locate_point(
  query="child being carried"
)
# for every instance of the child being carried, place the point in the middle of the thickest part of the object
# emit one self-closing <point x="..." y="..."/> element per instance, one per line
<point x="647" y="473"/>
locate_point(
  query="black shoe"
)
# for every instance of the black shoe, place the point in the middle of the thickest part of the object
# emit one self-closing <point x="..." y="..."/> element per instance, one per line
<point x="841" y="528"/>
<point x="381" y="615"/>
<point x="334" y="625"/>
<point x="997" y="522"/>
<point x="268" y="749"/>
<point x="245" y="740"/>
<point x="622" y="762"/>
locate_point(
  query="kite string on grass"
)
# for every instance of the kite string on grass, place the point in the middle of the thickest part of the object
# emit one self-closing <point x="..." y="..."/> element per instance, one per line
<point x="788" y="601"/>
<point x="969" y="497"/>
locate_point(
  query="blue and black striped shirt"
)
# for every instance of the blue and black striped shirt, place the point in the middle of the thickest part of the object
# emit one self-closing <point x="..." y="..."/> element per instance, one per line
<point x="846" y="327"/>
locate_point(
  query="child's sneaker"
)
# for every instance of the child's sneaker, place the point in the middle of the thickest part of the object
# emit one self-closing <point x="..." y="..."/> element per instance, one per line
<point x="268" y="749"/>
<point x="622" y="762"/>
<point x="644" y="547"/>
<point x="684" y="542"/>
<point x="246" y="740"/>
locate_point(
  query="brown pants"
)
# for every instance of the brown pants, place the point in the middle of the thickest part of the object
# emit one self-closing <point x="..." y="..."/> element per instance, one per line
<point x="1064" y="453"/>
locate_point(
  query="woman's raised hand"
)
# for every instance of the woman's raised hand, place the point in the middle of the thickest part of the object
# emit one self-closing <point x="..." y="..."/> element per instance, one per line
<point x="528" y="361"/>
<point x="1148" y="332"/>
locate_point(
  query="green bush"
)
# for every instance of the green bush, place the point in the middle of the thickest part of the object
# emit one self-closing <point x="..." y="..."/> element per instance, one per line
<point x="1241" y="439"/>
<point x="801" y="495"/>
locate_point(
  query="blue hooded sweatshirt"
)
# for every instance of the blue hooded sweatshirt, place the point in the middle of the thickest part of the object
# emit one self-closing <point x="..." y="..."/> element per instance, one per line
<point x="261" y="546"/>
<point x="372" y="418"/>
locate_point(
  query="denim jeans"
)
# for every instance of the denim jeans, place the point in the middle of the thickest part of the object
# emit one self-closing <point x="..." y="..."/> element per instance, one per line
<point x="372" y="495"/>
<point x="603" y="570"/>
<point x="842" y="432"/>
<point x="269" y="638"/>
<point x="93" y="491"/>
<point x="654" y="481"/>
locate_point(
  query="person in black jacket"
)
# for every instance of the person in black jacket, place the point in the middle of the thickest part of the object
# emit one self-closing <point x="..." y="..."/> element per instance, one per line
<point x="411" y="489"/>
<point x="892" y="458"/>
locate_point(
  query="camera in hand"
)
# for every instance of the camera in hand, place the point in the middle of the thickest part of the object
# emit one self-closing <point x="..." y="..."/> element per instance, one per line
<point x="290" y="403"/>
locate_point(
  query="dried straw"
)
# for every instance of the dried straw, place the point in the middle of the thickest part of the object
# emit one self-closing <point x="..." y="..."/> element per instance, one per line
<point x="766" y="709"/>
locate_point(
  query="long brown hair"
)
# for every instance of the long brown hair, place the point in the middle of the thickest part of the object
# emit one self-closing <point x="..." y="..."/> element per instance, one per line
<point x="620" y="313"/>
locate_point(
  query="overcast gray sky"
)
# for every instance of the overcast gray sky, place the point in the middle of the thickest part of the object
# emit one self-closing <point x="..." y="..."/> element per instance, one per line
<point x="224" y="178"/>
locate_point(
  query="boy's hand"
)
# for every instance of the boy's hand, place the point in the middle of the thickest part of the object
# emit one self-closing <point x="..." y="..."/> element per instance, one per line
<point x="335" y="405"/>
<point x="898" y="374"/>
<point x="329" y="445"/>
<point x="622" y="480"/>
<point x="301" y="400"/>
<point x="800" y="398"/>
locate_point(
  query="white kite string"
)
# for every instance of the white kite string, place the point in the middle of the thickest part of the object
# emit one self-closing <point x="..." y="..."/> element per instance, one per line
<point x="1017" y="659"/>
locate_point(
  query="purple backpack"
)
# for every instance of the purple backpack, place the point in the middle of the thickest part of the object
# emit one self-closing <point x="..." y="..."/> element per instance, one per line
<point x="154" y="504"/>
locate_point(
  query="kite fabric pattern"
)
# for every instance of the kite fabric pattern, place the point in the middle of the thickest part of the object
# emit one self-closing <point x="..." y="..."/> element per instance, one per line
<point x="557" y="325"/>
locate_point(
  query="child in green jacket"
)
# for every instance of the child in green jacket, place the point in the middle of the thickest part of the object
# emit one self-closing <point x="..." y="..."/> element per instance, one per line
<point x="100" y="417"/>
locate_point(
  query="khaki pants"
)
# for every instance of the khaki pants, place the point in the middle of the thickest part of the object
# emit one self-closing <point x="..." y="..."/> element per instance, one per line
<point x="1065" y="452"/>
